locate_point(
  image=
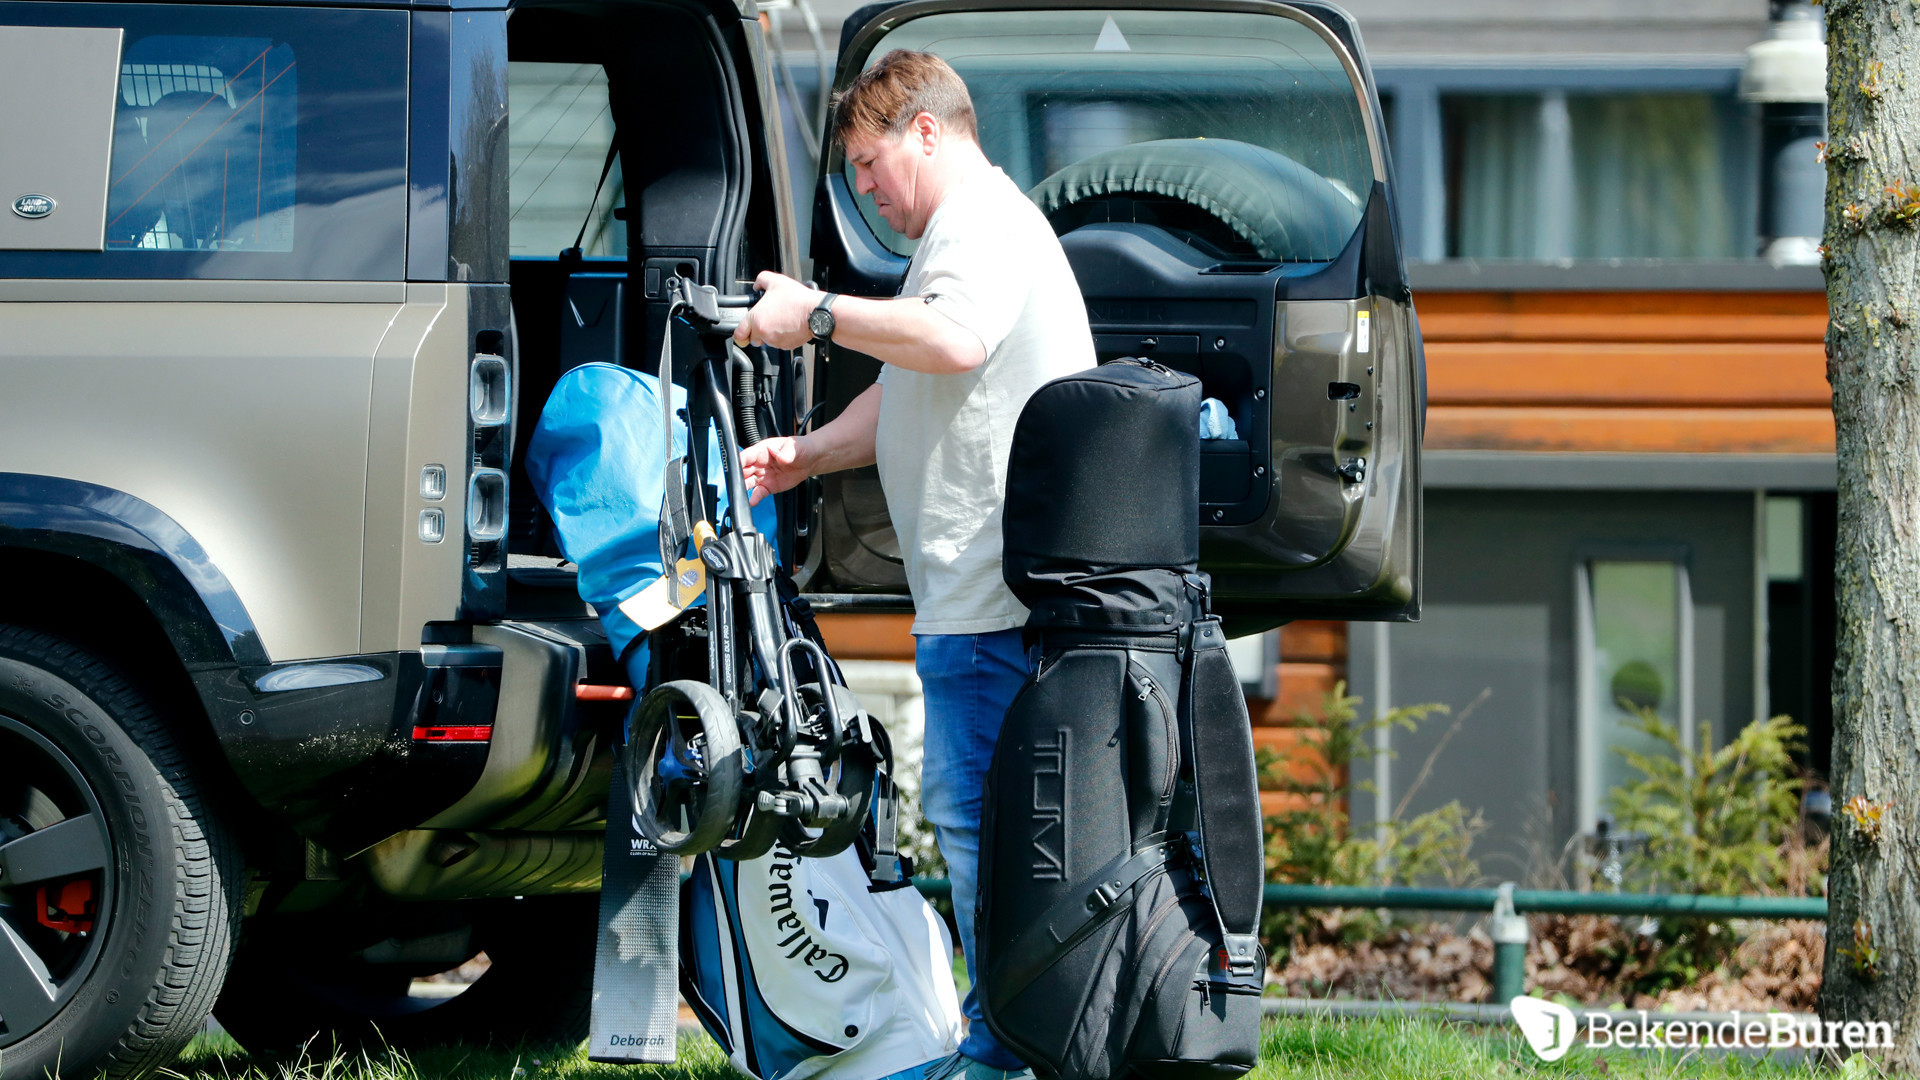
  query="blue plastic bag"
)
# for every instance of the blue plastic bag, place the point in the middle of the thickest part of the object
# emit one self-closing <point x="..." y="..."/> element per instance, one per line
<point x="597" y="462"/>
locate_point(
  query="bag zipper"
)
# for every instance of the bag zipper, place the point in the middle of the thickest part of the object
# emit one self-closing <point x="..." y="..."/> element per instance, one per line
<point x="1229" y="988"/>
<point x="1151" y="689"/>
<point x="1141" y="361"/>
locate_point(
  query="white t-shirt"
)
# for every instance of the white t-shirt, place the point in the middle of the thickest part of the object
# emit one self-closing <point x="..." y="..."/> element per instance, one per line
<point x="990" y="262"/>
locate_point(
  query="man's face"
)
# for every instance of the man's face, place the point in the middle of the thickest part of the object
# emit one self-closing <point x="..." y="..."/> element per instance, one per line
<point x="888" y="167"/>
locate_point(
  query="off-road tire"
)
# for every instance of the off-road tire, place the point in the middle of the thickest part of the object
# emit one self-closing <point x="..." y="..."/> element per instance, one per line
<point x="172" y="886"/>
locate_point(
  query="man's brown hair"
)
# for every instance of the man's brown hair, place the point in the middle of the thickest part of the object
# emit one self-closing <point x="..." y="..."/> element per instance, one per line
<point x="886" y="97"/>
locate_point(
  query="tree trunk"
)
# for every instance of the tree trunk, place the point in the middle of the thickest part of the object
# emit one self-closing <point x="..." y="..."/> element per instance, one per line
<point x="1872" y="262"/>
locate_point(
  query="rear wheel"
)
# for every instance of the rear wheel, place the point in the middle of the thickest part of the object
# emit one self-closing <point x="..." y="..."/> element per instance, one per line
<point x="850" y="775"/>
<point x="295" y="989"/>
<point x="119" y="890"/>
<point x="685" y="763"/>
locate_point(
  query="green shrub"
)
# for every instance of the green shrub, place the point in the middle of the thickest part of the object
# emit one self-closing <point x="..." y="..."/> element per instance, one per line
<point x="1314" y="843"/>
<point x="1715" y="820"/>
<point x="1721" y="822"/>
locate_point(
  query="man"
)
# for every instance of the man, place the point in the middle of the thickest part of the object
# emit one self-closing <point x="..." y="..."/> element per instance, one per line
<point x="989" y="311"/>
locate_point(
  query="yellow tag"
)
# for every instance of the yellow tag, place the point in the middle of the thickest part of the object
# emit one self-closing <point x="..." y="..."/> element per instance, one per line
<point x="652" y="607"/>
<point x="661" y="602"/>
<point x="689" y="580"/>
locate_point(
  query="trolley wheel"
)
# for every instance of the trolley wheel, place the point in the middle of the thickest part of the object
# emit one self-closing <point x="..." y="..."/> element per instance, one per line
<point x="684" y="760"/>
<point x="851" y="773"/>
<point x="757" y="834"/>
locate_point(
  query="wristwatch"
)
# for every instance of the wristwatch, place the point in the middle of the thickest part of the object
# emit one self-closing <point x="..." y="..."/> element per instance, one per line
<point x="820" y="320"/>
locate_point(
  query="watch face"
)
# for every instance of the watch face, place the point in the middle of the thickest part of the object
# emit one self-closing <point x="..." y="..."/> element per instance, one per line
<point x="820" y="321"/>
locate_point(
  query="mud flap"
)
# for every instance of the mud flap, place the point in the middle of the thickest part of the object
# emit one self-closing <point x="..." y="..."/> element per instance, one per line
<point x="636" y="960"/>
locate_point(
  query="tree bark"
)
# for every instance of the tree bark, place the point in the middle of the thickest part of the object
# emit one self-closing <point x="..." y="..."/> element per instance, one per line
<point x="1872" y="263"/>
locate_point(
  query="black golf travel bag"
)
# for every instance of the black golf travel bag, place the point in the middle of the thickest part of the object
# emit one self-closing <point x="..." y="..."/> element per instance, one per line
<point x="1121" y="862"/>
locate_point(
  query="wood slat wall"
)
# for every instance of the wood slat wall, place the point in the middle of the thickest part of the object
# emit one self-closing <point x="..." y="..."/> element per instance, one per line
<point x="1313" y="660"/>
<point x="1671" y="372"/>
<point x="868" y="637"/>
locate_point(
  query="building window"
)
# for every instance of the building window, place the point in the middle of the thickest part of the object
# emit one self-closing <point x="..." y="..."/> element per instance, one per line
<point x="1800" y="539"/>
<point x="1784" y="539"/>
<point x="1635" y="653"/>
<point x="1560" y="175"/>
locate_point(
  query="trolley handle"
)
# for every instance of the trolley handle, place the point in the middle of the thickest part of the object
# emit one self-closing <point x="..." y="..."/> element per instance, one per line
<point x="705" y="307"/>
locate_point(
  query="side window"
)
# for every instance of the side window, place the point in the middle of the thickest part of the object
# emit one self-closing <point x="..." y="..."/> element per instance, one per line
<point x="247" y="143"/>
<point x="1635" y="644"/>
<point x="559" y="128"/>
<point x="204" y="146"/>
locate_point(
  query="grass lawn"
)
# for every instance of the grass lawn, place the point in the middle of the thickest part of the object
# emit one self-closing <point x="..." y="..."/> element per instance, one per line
<point x="1310" y="1049"/>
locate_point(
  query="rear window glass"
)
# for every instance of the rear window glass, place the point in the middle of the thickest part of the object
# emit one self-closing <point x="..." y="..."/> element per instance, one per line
<point x="247" y="143"/>
<point x="559" y="129"/>
<point x="1254" y="114"/>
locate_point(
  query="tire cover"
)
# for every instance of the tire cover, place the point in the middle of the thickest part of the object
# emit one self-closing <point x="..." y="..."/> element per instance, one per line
<point x="1281" y="207"/>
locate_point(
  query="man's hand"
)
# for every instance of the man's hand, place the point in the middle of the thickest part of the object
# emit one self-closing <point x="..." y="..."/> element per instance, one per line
<point x="780" y="318"/>
<point x="771" y="466"/>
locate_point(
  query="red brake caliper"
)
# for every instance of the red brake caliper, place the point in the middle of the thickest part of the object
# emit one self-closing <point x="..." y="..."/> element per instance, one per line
<point x="66" y="907"/>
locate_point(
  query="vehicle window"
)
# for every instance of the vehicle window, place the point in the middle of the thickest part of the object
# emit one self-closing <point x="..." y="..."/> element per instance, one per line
<point x="1071" y="103"/>
<point x="247" y="143"/>
<point x="203" y="146"/>
<point x="559" y="127"/>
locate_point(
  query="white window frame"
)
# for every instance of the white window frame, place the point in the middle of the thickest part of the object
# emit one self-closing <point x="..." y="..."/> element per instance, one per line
<point x="1590" y="792"/>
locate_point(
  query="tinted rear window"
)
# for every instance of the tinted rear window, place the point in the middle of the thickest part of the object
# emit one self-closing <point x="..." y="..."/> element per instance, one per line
<point x="247" y="143"/>
<point x="1056" y="89"/>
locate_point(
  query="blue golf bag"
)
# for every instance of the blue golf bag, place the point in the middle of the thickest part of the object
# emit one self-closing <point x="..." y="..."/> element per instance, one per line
<point x="793" y="964"/>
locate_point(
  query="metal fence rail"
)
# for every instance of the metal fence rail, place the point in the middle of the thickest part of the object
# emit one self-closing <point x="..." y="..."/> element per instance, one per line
<point x="1508" y="907"/>
<point x="1509" y="926"/>
<point x="1550" y="902"/>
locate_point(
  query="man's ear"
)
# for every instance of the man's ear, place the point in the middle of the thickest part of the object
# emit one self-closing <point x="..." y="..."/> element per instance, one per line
<point x="926" y="131"/>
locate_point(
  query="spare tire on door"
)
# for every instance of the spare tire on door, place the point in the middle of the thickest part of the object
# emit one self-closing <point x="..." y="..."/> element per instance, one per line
<point x="1268" y="205"/>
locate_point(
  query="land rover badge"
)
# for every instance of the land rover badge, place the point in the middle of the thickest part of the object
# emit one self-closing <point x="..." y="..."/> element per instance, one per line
<point x="33" y="206"/>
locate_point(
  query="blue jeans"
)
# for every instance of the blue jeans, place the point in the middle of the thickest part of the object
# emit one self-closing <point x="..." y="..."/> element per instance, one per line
<point x="967" y="680"/>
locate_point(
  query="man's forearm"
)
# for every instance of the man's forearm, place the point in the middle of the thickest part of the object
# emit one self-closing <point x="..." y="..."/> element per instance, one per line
<point x="906" y="332"/>
<point x="847" y="441"/>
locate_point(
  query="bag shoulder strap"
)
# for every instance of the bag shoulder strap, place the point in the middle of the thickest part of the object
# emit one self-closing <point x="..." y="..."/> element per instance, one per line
<point x="1219" y="793"/>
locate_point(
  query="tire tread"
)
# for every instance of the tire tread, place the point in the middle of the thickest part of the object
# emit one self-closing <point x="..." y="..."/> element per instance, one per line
<point x="206" y="917"/>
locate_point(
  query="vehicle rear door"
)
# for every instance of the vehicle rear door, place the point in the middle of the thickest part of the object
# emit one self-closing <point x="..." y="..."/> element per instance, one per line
<point x="1217" y="171"/>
